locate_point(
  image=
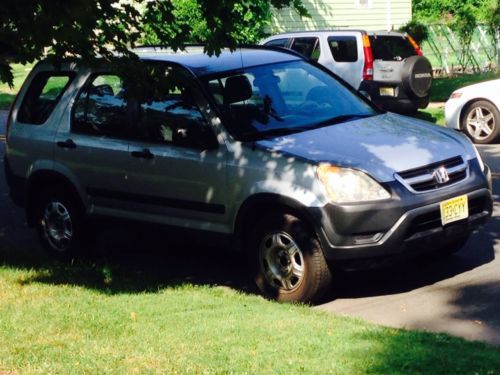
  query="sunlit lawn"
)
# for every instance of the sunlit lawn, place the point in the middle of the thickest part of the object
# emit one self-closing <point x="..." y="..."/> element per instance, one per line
<point x="96" y="317"/>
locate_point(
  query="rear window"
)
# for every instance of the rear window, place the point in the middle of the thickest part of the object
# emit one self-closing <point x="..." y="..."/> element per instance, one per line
<point x="391" y="47"/>
<point x="44" y="92"/>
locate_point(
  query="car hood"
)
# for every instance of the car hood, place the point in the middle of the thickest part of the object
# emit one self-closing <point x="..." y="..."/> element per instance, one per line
<point x="379" y="145"/>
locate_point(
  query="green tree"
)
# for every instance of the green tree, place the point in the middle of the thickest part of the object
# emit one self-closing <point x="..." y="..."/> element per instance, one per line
<point x="30" y="29"/>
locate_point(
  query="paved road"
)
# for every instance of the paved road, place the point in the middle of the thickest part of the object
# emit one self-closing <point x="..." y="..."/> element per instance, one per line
<point x="459" y="295"/>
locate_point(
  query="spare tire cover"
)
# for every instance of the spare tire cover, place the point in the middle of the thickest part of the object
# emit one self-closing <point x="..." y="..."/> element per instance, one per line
<point x="416" y="76"/>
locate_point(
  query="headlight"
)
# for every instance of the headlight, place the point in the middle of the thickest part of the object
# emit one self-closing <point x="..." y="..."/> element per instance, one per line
<point x="455" y="95"/>
<point x="479" y="158"/>
<point x="349" y="185"/>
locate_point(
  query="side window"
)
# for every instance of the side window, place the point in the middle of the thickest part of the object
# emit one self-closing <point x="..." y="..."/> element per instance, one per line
<point x="101" y="109"/>
<point x="43" y="95"/>
<point x="308" y="46"/>
<point x="344" y="48"/>
<point x="171" y="115"/>
<point x="277" y="42"/>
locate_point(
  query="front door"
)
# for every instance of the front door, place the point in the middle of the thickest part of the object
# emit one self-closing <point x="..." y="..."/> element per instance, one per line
<point x="177" y="168"/>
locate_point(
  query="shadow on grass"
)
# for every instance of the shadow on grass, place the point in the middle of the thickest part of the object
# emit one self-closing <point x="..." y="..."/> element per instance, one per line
<point x="134" y="260"/>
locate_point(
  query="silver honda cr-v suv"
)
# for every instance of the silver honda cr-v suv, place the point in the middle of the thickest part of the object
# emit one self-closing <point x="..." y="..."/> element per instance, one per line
<point x="257" y="146"/>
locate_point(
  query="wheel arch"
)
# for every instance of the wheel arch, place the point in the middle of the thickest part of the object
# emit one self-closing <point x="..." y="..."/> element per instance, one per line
<point x="262" y="203"/>
<point x="40" y="180"/>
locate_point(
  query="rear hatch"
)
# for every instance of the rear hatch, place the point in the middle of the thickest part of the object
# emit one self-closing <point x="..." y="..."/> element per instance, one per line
<point x="389" y="52"/>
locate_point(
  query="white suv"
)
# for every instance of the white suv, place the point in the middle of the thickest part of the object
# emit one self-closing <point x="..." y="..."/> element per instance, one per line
<point x="386" y="66"/>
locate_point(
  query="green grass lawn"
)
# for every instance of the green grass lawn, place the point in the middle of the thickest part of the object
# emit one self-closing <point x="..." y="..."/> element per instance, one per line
<point x="435" y="115"/>
<point x="94" y="317"/>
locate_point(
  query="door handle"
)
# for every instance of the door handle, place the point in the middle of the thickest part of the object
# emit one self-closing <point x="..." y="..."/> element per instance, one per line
<point x="68" y="143"/>
<point x="144" y="154"/>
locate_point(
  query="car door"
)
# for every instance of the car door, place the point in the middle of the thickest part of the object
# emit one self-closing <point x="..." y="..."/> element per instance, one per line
<point x="344" y="57"/>
<point x="177" y="166"/>
<point x="91" y="142"/>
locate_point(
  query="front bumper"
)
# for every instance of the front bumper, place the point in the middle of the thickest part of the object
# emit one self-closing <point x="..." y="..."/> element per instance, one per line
<point x="407" y="223"/>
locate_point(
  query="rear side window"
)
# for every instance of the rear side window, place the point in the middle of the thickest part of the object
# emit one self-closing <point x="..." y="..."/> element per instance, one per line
<point x="309" y="47"/>
<point x="344" y="48"/>
<point x="391" y="47"/>
<point x="277" y="42"/>
<point x="101" y="108"/>
<point x="44" y="92"/>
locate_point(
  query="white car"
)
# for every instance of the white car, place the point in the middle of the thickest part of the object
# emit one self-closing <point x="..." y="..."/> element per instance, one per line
<point x="475" y="111"/>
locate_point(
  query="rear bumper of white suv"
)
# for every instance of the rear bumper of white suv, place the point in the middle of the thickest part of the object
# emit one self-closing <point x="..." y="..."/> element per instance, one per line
<point x="395" y="98"/>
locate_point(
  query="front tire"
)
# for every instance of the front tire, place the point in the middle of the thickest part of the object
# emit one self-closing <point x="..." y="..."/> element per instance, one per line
<point x="287" y="260"/>
<point x="58" y="221"/>
<point x="481" y="122"/>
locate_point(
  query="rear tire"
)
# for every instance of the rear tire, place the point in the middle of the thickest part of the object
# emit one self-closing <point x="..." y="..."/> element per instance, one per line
<point x="287" y="260"/>
<point x="481" y="122"/>
<point x="59" y="223"/>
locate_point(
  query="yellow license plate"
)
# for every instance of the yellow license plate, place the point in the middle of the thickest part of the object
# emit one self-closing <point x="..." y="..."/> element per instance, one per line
<point x="386" y="91"/>
<point x="454" y="209"/>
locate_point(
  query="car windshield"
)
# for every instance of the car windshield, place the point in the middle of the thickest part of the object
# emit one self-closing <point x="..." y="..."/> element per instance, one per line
<point x="283" y="98"/>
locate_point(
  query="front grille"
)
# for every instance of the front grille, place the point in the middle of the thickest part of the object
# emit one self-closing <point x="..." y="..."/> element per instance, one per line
<point x="422" y="179"/>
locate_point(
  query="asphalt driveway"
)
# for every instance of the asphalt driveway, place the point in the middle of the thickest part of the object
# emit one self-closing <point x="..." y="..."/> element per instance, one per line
<point x="459" y="295"/>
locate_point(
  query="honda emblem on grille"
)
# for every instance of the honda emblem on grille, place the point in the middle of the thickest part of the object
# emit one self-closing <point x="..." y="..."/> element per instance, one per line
<point x="440" y="175"/>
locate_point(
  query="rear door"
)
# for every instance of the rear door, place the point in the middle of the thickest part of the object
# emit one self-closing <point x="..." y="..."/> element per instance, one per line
<point x="346" y="57"/>
<point x="91" y="142"/>
<point x="389" y="53"/>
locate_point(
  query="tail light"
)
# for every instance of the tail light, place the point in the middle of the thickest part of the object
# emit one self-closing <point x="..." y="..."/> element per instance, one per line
<point x="414" y="45"/>
<point x="367" y="51"/>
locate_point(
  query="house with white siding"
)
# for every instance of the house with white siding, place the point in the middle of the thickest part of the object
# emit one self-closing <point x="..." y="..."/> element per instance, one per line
<point x="342" y="14"/>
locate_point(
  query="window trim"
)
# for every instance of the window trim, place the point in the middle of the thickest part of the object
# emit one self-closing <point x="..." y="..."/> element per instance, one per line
<point x="70" y="74"/>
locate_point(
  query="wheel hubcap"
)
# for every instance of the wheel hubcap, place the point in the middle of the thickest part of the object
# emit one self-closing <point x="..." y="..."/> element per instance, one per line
<point x="282" y="261"/>
<point x="480" y="123"/>
<point x="57" y="226"/>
